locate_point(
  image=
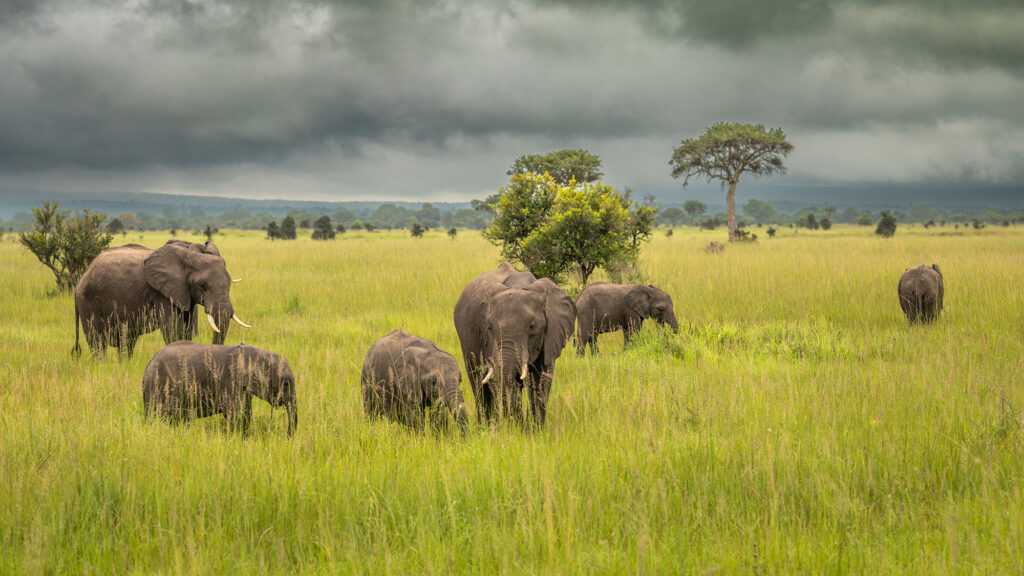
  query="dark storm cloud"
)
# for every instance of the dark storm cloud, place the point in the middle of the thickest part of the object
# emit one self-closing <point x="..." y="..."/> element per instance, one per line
<point x="348" y="89"/>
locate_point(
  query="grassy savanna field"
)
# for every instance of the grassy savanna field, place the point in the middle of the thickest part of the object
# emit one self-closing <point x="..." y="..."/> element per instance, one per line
<point x="795" y="424"/>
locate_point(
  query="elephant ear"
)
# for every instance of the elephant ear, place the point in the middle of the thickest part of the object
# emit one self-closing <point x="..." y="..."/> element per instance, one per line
<point x="942" y="288"/>
<point x="561" y="316"/>
<point x="165" y="270"/>
<point x="639" y="301"/>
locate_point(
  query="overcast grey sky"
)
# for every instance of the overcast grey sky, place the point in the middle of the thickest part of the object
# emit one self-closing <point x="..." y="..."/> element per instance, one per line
<point x="417" y="99"/>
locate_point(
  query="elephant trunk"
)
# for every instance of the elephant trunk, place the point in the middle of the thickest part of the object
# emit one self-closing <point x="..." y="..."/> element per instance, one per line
<point x="671" y="321"/>
<point x="219" y="316"/>
<point x="453" y="399"/>
<point x="293" y="415"/>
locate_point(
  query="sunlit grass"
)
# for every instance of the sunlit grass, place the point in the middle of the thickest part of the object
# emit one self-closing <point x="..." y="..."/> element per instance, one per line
<point x="796" y="423"/>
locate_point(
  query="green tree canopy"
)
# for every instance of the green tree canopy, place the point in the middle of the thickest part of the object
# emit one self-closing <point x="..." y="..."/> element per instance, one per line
<point x="428" y="216"/>
<point x="288" y="228"/>
<point x="64" y="243"/>
<point x="695" y="208"/>
<point x="554" y="229"/>
<point x="563" y="166"/>
<point x="762" y="212"/>
<point x="725" y="152"/>
<point x="323" y="229"/>
<point x="672" y="215"/>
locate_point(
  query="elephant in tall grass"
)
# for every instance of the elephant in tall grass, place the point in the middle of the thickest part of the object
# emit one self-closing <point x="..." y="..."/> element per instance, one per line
<point x="187" y="380"/>
<point x="512" y="327"/>
<point x="404" y="375"/>
<point x="602" y="307"/>
<point x="921" y="291"/>
<point x="131" y="290"/>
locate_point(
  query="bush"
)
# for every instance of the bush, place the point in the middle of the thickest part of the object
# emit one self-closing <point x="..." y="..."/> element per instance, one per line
<point x="745" y="235"/>
<point x="416" y="230"/>
<point x="452" y="232"/>
<point x="825" y="224"/>
<point x="273" y="231"/>
<point x="288" y="228"/>
<point x="322" y="229"/>
<point x="66" y="244"/>
<point x="771" y="232"/>
<point x="886" y="225"/>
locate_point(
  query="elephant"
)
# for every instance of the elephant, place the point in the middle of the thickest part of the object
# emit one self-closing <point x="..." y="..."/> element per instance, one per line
<point x="403" y="375"/>
<point x="602" y="307"/>
<point x="921" y="291"/>
<point x="512" y="327"/>
<point x="131" y="290"/>
<point x="187" y="380"/>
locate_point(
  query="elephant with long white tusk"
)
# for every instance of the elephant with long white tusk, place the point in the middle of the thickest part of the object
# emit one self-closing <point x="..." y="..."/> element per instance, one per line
<point x="131" y="290"/>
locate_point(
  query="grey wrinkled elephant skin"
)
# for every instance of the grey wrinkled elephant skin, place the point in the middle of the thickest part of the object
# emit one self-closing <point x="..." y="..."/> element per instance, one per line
<point x="187" y="380"/>
<point x="602" y="307"/>
<point x="404" y="375"/>
<point x="512" y="327"/>
<point x="921" y="291"/>
<point x="131" y="290"/>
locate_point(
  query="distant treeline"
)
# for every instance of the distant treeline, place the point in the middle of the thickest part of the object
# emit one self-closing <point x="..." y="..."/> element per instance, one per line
<point x="392" y="216"/>
<point x="385" y="216"/>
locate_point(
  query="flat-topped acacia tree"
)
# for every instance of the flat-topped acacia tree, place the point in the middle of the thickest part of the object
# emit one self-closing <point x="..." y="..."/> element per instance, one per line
<point x="725" y="152"/>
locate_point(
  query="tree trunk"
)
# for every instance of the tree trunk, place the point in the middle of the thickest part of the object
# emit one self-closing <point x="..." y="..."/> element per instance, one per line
<point x="730" y="209"/>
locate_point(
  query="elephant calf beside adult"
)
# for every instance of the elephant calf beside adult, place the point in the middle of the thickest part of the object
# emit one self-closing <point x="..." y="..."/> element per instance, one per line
<point x="403" y="375"/>
<point x="131" y="290"/>
<point x="186" y="380"/>
<point x="512" y="328"/>
<point x="921" y="290"/>
<point x="602" y="307"/>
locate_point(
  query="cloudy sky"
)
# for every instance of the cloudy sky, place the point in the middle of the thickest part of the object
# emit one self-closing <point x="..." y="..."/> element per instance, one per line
<point x="421" y="99"/>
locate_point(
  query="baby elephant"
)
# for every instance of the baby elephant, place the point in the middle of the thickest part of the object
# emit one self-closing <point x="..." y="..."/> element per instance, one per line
<point x="187" y="380"/>
<point x="404" y="374"/>
<point x="920" y="291"/>
<point x="602" y="307"/>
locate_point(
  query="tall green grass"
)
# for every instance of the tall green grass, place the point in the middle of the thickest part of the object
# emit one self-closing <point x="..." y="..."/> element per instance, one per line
<point x="796" y="423"/>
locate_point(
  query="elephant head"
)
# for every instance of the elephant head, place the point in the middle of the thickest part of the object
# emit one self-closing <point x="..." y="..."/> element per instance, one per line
<point x="441" y="386"/>
<point x="270" y="378"/>
<point x="650" y="302"/>
<point x="190" y="274"/>
<point x="525" y="326"/>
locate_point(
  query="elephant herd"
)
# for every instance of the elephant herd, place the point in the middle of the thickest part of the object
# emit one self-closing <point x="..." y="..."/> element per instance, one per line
<point x="512" y="327"/>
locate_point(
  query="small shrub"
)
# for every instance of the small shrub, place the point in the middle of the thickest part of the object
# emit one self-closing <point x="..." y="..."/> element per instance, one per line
<point x="209" y="232"/>
<point x="322" y="229"/>
<point x="66" y="244"/>
<point x="825" y="224"/>
<point x="340" y="229"/>
<point x="929" y="224"/>
<point x="452" y="232"/>
<point x="416" y="230"/>
<point x="886" y="225"/>
<point x="714" y="247"/>
<point x="771" y="232"/>
<point x="743" y="235"/>
<point x="668" y="233"/>
<point x="977" y="224"/>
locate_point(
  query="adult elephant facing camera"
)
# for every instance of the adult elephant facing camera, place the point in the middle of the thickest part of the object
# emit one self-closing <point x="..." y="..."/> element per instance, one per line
<point x="512" y="328"/>
<point x="131" y="290"/>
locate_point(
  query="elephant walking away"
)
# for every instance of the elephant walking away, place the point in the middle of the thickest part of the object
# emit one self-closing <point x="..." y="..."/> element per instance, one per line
<point x="131" y="290"/>
<point x="404" y="375"/>
<point x="602" y="307"/>
<point x="187" y="380"/>
<point x="512" y="328"/>
<point x="921" y="291"/>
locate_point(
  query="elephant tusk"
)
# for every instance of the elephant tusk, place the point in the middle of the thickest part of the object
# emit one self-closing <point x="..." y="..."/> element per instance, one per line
<point x="209" y="318"/>
<point x="490" y="374"/>
<point x="522" y="373"/>
<point x="236" y="280"/>
<point x="240" y="323"/>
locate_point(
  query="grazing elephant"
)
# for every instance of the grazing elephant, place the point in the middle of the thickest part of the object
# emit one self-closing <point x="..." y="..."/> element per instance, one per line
<point x="403" y="375"/>
<point x="602" y="307"/>
<point x="186" y="380"/>
<point x="131" y="290"/>
<point x="512" y="328"/>
<point x="921" y="292"/>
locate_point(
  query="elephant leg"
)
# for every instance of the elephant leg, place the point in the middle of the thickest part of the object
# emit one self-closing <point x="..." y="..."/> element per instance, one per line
<point x="540" y="385"/>
<point x="485" y="403"/>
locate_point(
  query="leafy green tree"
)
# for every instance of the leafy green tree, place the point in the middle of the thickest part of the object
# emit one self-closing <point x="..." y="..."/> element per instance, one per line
<point x="761" y="211"/>
<point x="288" y="228"/>
<point x="322" y="228"/>
<point x="554" y="229"/>
<point x="886" y="225"/>
<point x="808" y="221"/>
<point x="340" y="228"/>
<point x="642" y="216"/>
<point x="695" y="208"/>
<point x="392" y="216"/>
<point x="452" y="232"/>
<point x="825" y="224"/>
<point x="115" y="226"/>
<point x="725" y="152"/>
<point x="563" y="165"/>
<point x="209" y="231"/>
<point x="428" y="216"/>
<point x="849" y="215"/>
<point x="64" y="243"/>
<point x="924" y="214"/>
<point x="672" y="215"/>
<point x="416" y="230"/>
<point x="486" y="205"/>
<point x="273" y="231"/>
<point x="865" y="219"/>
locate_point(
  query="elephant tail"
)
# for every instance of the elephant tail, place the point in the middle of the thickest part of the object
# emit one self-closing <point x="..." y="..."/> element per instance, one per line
<point x="76" y="352"/>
